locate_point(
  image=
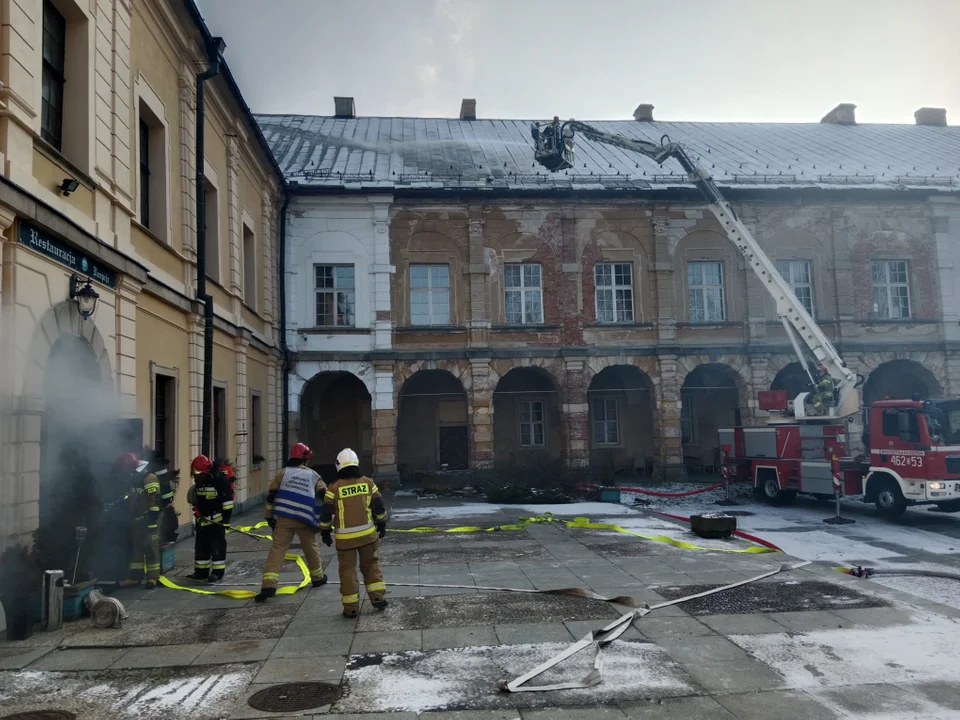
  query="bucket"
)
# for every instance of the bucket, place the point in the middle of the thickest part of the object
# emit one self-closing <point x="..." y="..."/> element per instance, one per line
<point x="609" y="494"/>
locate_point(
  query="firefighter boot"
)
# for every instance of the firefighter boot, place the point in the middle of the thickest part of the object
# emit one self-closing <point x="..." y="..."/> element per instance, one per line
<point x="320" y="581"/>
<point x="379" y="603"/>
<point x="265" y="594"/>
<point x="129" y="582"/>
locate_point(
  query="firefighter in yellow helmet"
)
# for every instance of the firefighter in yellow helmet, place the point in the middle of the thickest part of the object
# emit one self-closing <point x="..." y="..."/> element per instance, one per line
<point x="354" y="512"/>
<point x="143" y="499"/>
<point x="293" y="505"/>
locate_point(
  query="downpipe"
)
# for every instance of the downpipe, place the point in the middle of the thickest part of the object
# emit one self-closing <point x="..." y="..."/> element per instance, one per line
<point x="284" y="352"/>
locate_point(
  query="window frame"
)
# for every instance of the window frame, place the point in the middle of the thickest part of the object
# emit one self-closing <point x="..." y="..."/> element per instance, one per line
<point x="250" y="285"/>
<point x="523" y="291"/>
<point x="51" y="74"/>
<point x="171" y="380"/>
<point x="687" y="415"/>
<point x="605" y="400"/>
<point x="614" y="288"/>
<point x="794" y="284"/>
<point x="532" y="423"/>
<point x="702" y="289"/>
<point x="219" y="419"/>
<point x="211" y="186"/>
<point x="429" y="289"/>
<point x="887" y="287"/>
<point x="256" y="428"/>
<point x="144" y="130"/>
<point x="334" y="290"/>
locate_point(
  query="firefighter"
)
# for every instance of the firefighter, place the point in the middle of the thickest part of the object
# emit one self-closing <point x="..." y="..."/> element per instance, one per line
<point x="293" y="508"/>
<point x="213" y="506"/>
<point x="353" y="510"/>
<point x="823" y="391"/>
<point x="143" y="500"/>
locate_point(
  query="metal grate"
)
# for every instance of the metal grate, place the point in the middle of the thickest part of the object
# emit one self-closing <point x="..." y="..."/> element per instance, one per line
<point x="295" y="696"/>
<point x="41" y="715"/>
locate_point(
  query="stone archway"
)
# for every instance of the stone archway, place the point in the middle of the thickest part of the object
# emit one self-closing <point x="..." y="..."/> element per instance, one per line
<point x="793" y="379"/>
<point x="527" y="417"/>
<point x="899" y="380"/>
<point x="622" y="431"/>
<point x="335" y="413"/>
<point x="710" y="400"/>
<point x="432" y="423"/>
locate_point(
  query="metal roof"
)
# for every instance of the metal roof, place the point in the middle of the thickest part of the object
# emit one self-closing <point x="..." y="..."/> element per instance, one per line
<point x="421" y="153"/>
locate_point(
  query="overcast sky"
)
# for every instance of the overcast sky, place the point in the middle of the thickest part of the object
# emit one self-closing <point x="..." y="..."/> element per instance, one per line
<point x="719" y="60"/>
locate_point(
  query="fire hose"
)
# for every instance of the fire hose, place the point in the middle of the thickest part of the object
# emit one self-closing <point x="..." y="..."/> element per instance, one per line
<point x="868" y="572"/>
<point x="644" y="491"/>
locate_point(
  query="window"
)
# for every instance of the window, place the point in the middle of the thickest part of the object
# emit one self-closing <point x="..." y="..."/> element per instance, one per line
<point x="531" y="423"/>
<point x="219" y="422"/>
<point x="144" y="173"/>
<point x="797" y="275"/>
<point x="54" y="57"/>
<point x="606" y="423"/>
<point x="336" y="295"/>
<point x="705" y="291"/>
<point x="891" y="292"/>
<point x="212" y="223"/>
<point x="614" y="292"/>
<point x="686" y="419"/>
<point x="523" y="294"/>
<point x="429" y="295"/>
<point x="891" y="424"/>
<point x="164" y="416"/>
<point x="256" y="445"/>
<point x="249" y="267"/>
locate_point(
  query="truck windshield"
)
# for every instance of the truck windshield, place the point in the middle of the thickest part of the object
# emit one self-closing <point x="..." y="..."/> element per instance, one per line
<point x="943" y="422"/>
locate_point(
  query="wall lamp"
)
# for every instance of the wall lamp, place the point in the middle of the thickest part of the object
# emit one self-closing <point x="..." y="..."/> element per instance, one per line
<point x="82" y="291"/>
<point x="68" y="186"/>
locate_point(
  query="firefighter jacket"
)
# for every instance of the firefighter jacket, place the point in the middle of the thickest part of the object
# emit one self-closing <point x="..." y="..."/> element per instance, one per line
<point x="295" y="493"/>
<point x="353" y="507"/>
<point x="144" y="495"/>
<point x="213" y="502"/>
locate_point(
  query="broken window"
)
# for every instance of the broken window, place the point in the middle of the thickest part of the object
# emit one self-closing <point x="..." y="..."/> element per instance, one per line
<point x="531" y="423"/>
<point x="523" y="294"/>
<point x="606" y="421"/>
<point x="336" y="295"/>
<point x="686" y="419"/>
<point x="797" y="275"/>
<point x="705" y="291"/>
<point x="614" y="292"/>
<point x="891" y="290"/>
<point x="429" y="295"/>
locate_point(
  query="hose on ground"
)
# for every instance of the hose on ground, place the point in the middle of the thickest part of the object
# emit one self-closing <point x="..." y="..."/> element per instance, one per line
<point x="868" y="572"/>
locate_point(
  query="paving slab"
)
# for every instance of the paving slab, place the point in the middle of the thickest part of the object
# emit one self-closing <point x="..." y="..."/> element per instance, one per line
<point x="19" y="658"/>
<point x="689" y="649"/>
<point x="307" y="646"/>
<point x="776" y="704"/>
<point x="157" y="657"/>
<point x="683" y="708"/>
<point x="734" y="675"/>
<point x="386" y="641"/>
<point x="530" y="633"/>
<point x="810" y="621"/>
<point x="321" y="669"/>
<point x="876" y="617"/>
<point x="240" y="651"/>
<point x="579" y="628"/>
<point x="740" y="624"/>
<point x="657" y="627"/>
<point x="371" y="716"/>
<point x="880" y="699"/>
<point x="470" y="636"/>
<point x="579" y="713"/>
<point x="944" y="694"/>
<point x="98" y="659"/>
<point x="469" y="715"/>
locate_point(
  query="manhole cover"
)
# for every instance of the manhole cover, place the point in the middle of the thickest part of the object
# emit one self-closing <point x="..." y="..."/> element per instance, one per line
<point x="295" y="696"/>
<point x="41" y="715"/>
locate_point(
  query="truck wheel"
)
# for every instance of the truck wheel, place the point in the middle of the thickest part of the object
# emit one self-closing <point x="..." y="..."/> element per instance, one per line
<point x="889" y="500"/>
<point x="768" y="488"/>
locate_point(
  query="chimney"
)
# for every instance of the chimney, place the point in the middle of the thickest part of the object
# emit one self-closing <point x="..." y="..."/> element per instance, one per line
<point x="344" y="107"/>
<point x="468" y="109"/>
<point x="931" y="116"/>
<point x="643" y="113"/>
<point x="842" y="114"/>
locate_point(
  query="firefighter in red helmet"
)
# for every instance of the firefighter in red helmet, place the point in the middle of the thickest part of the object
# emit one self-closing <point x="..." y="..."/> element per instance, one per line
<point x="293" y="508"/>
<point x="213" y="505"/>
<point x="143" y="499"/>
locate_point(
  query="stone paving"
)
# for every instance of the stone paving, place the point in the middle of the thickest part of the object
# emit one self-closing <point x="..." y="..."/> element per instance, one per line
<point x="790" y="648"/>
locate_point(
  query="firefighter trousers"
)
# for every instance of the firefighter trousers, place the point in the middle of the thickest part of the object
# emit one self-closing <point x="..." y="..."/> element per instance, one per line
<point x="145" y="546"/>
<point x="369" y="559"/>
<point x="210" y="551"/>
<point x="283" y="535"/>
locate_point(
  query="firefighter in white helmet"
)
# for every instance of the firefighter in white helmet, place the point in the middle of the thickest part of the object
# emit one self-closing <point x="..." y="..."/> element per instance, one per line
<point x="354" y="512"/>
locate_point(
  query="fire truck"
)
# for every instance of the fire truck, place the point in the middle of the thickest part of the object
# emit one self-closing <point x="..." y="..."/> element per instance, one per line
<point x="912" y="447"/>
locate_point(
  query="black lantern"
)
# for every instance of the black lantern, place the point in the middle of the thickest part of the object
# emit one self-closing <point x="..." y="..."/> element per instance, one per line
<point x="82" y="291"/>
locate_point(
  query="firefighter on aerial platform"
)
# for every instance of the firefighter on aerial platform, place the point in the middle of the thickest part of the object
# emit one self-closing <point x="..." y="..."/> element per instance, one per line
<point x="213" y="505"/>
<point x="293" y="508"/>
<point x="143" y="500"/>
<point x="354" y="511"/>
<point x="822" y="396"/>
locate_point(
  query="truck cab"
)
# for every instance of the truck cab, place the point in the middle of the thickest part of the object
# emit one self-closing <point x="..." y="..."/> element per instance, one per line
<point x="914" y="455"/>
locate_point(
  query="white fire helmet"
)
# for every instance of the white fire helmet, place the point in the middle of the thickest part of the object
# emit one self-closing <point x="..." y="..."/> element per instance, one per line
<point x="346" y="458"/>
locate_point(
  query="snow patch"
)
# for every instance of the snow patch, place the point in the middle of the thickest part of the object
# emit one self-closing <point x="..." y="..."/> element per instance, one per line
<point x="466" y="510"/>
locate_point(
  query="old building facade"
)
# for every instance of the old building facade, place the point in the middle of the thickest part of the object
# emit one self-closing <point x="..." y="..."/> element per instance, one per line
<point x="450" y="305"/>
<point x="98" y="139"/>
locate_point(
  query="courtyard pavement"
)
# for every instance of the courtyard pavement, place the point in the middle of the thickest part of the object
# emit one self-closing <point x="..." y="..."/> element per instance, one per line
<point x="806" y="644"/>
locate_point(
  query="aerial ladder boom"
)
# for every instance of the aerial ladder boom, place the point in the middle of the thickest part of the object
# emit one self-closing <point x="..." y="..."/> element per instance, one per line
<point x="554" y="150"/>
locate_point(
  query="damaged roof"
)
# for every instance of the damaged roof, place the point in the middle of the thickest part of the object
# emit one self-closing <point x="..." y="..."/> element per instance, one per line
<point x="421" y="153"/>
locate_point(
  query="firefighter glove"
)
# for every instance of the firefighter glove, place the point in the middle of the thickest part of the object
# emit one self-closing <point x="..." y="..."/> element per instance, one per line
<point x="272" y="522"/>
<point x="326" y="537"/>
<point x="381" y="529"/>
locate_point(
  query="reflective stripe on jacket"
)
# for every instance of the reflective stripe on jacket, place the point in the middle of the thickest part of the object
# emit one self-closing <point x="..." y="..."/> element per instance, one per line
<point x="353" y="518"/>
<point x="296" y="495"/>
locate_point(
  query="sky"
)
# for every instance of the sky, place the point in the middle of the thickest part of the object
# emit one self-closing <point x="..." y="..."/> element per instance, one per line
<point x="706" y="60"/>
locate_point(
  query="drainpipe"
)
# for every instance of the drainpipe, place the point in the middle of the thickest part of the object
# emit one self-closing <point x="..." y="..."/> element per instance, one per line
<point x="214" y="50"/>
<point x="285" y="355"/>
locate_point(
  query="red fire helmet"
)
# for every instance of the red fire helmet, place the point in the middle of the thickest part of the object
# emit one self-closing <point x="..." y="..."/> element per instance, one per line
<point x="201" y="464"/>
<point x="300" y="452"/>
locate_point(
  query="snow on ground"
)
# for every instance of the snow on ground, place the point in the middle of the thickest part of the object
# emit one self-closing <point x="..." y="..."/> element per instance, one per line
<point x="466" y="678"/>
<point x="467" y="510"/>
<point x="923" y="651"/>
